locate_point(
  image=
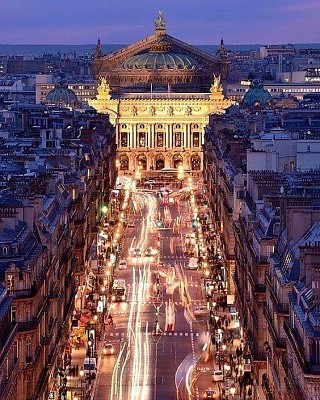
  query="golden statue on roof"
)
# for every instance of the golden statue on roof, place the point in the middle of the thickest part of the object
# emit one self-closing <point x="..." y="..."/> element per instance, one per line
<point x="216" y="87"/>
<point x="103" y="88"/>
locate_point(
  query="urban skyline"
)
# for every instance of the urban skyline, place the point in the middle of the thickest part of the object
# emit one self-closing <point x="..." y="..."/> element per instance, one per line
<point x="126" y="21"/>
<point x="160" y="213"/>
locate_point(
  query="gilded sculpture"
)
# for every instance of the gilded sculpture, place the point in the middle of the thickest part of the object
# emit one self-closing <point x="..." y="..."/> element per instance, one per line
<point x="103" y="88"/>
<point x="216" y="87"/>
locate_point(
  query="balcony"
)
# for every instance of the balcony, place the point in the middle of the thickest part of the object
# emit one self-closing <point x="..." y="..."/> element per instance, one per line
<point x="290" y="380"/>
<point x="297" y="348"/>
<point x="7" y="342"/>
<point x="34" y="323"/>
<point x="281" y="308"/>
<point x="79" y="221"/>
<point x="9" y="385"/>
<point x="266" y="387"/>
<point x="279" y="342"/>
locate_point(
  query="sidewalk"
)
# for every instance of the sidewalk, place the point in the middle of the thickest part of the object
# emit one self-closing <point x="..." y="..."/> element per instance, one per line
<point x="76" y="385"/>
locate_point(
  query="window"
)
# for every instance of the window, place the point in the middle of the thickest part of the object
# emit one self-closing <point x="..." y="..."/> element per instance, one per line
<point x="5" y="250"/>
<point x="28" y="349"/>
<point x="141" y="139"/>
<point x="195" y="142"/>
<point x="291" y="166"/>
<point x="10" y="282"/>
<point x="177" y="139"/>
<point x="308" y="149"/>
<point x="159" y="138"/>
<point x="28" y="385"/>
<point x="15" y="350"/>
<point x="124" y="139"/>
<point x="13" y="313"/>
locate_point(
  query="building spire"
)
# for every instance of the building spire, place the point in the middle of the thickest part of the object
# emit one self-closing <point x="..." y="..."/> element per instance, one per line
<point x="160" y="24"/>
<point x="98" y="51"/>
<point x="222" y="52"/>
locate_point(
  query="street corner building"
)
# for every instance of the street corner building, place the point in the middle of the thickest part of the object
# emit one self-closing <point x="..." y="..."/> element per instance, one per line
<point x="159" y="93"/>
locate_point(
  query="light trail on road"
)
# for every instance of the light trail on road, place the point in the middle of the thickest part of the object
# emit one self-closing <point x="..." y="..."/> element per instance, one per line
<point x="135" y="353"/>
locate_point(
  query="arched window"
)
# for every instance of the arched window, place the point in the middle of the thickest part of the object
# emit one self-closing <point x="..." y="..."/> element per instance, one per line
<point x="5" y="250"/>
<point x="195" y="163"/>
<point x="142" y="162"/>
<point x="124" y="163"/>
<point x="160" y="163"/>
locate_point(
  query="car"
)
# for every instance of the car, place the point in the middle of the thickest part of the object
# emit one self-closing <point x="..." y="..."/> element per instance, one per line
<point x="209" y="394"/>
<point x="201" y="311"/>
<point x="217" y="375"/>
<point x="150" y="252"/>
<point x="131" y="224"/>
<point x="150" y="182"/>
<point x="122" y="264"/>
<point x="90" y="367"/>
<point x="137" y="252"/>
<point x="193" y="263"/>
<point x="108" y="348"/>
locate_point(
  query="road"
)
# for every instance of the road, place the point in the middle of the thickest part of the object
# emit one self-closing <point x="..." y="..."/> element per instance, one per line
<point x="157" y="338"/>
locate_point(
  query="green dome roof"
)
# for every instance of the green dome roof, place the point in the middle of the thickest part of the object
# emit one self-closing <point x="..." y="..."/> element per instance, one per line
<point x="256" y="95"/>
<point x="61" y="95"/>
<point x="160" y="60"/>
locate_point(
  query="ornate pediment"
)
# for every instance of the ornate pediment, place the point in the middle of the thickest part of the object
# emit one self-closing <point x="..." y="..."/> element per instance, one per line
<point x="149" y="43"/>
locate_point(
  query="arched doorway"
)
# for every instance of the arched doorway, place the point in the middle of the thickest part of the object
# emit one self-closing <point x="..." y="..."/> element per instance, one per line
<point x="124" y="163"/>
<point x="177" y="160"/>
<point x="160" y="163"/>
<point x="195" y="163"/>
<point x="142" y="163"/>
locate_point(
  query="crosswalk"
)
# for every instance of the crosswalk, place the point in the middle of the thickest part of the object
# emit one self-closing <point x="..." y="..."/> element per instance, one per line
<point x="150" y="333"/>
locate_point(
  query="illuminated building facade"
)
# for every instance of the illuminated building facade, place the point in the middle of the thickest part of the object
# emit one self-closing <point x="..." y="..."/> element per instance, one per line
<point x="159" y="93"/>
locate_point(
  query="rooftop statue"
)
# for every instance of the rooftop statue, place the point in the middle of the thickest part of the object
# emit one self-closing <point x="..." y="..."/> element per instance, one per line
<point x="104" y="87"/>
<point x="216" y="87"/>
<point x="160" y="22"/>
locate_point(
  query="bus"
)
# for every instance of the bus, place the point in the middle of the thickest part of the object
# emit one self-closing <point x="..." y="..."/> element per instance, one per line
<point x="118" y="291"/>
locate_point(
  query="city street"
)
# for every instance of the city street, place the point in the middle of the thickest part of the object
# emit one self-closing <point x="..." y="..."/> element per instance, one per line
<point x="155" y="333"/>
<point x="164" y="327"/>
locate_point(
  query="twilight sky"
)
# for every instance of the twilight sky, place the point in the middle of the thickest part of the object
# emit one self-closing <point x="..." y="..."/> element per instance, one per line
<point x="125" y="21"/>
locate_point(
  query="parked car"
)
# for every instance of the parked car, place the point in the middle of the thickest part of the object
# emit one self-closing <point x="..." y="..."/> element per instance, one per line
<point x="131" y="224"/>
<point x="122" y="264"/>
<point x="217" y="375"/>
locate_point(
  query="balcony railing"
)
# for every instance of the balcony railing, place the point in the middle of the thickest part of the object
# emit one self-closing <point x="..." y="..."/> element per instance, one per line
<point x="290" y="380"/>
<point x="266" y="388"/>
<point x="298" y="349"/>
<point x="278" y="341"/>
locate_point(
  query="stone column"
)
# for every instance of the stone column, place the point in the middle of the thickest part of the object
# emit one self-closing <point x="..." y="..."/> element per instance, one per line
<point x="134" y="136"/>
<point x="168" y="134"/>
<point x="149" y="136"/>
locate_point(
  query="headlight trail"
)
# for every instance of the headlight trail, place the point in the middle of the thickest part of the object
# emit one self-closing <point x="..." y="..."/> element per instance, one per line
<point x="137" y="348"/>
